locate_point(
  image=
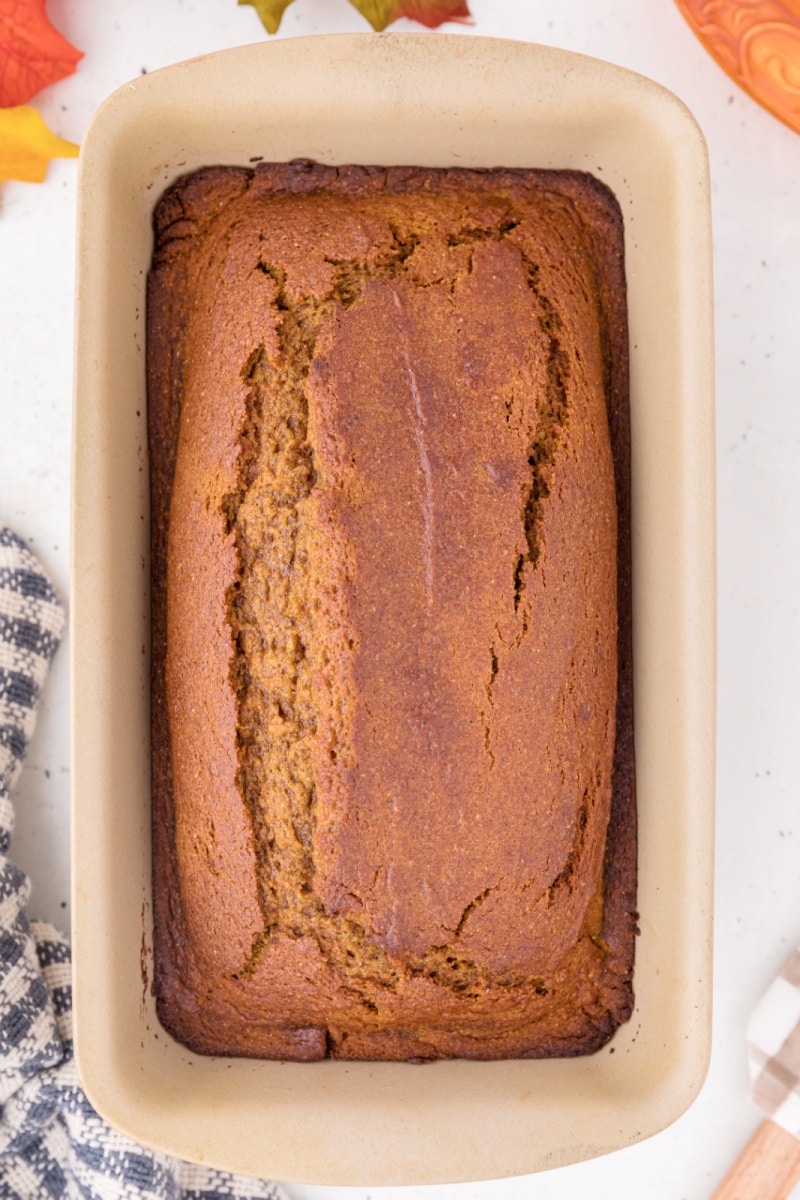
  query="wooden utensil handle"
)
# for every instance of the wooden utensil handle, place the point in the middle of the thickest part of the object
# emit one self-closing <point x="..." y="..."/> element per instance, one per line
<point x="767" y="1169"/>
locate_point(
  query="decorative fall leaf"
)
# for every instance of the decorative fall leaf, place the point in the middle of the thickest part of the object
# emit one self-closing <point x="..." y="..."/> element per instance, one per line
<point x="270" y="12"/>
<point x="27" y="145"/>
<point x="33" y="53"/>
<point x="379" y="13"/>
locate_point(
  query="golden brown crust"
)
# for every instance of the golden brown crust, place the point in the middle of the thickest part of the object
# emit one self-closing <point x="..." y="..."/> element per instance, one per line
<point x="389" y="453"/>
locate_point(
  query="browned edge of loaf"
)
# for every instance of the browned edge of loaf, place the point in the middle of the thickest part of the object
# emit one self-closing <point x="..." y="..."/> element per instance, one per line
<point x="165" y="366"/>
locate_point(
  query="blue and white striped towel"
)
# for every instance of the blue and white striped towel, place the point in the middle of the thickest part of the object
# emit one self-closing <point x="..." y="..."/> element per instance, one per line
<point x="52" y="1142"/>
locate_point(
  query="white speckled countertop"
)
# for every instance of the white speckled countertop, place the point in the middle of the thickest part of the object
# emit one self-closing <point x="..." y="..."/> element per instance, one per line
<point x="755" y="167"/>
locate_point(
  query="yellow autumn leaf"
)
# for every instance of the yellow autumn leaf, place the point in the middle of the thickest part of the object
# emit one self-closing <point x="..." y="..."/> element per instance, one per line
<point x="27" y="145"/>
<point x="269" y="11"/>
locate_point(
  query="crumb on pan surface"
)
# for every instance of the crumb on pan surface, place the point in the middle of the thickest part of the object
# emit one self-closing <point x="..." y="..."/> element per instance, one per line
<point x="394" y="807"/>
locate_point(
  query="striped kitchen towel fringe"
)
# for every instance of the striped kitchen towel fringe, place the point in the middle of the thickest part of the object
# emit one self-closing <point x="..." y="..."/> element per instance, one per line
<point x="773" y="1048"/>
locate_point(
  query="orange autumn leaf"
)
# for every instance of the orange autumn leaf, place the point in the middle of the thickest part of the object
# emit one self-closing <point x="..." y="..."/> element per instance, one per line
<point x="33" y="53"/>
<point x="379" y="13"/>
<point x="27" y="145"/>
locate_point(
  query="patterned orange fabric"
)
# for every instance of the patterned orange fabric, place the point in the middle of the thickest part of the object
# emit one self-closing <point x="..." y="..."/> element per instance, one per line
<point x="757" y="42"/>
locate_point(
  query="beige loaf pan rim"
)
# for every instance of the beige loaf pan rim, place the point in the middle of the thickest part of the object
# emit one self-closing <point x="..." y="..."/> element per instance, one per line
<point x="447" y="100"/>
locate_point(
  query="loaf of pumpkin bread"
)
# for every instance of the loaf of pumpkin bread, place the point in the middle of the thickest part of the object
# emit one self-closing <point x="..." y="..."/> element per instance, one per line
<point x="393" y="789"/>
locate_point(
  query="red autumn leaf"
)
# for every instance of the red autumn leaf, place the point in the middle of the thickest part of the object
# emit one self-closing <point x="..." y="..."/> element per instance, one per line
<point x="379" y="13"/>
<point x="33" y="53"/>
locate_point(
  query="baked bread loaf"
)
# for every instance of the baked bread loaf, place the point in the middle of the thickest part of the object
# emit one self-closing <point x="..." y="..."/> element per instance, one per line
<point x="392" y="751"/>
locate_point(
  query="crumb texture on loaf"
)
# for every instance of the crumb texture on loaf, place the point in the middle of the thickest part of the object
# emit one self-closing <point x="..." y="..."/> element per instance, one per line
<point x="393" y="787"/>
